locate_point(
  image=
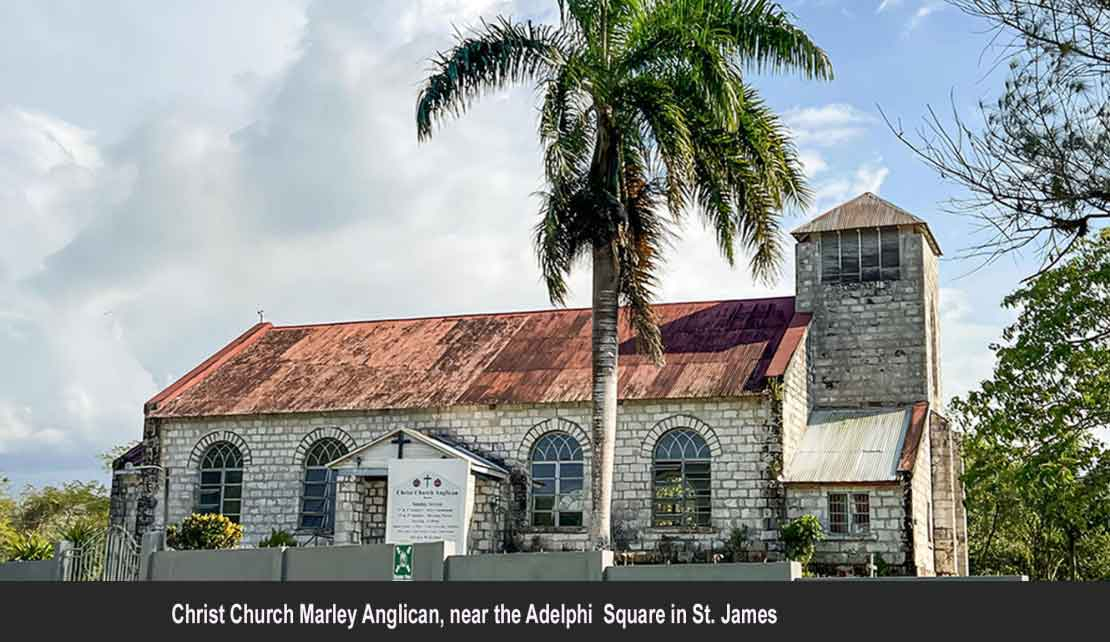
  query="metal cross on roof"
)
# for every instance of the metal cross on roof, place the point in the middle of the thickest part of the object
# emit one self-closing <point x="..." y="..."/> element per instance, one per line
<point x="400" y="440"/>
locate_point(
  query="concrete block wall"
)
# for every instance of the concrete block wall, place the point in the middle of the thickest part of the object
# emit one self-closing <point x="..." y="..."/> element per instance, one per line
<point x="740" y="432"/>
<point x="921" y="488"/>
<point x="768" y="572"/>
<point x="588" y="566"/>
<point x="869" y="343"/>
<point x="944" y="477"/>
<point x="487" y="523"/>
<point x="332" y="563"/>
<point x="38" y="571"/>
<point x="124" y="502"/>
<point x="931" y="276"/>
<point x="850" y="552"/>
<point x="796" y="404"/>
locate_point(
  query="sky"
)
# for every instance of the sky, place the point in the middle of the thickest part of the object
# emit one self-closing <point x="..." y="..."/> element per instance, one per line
<point x="168" y="170"/>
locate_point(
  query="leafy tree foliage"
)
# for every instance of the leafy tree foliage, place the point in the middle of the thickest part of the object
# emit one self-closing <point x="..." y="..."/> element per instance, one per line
<point x="49" y="509"/>
<point x="7" y="510"/>
<point x="1038" y="174"/>
<point x="110" y="456"/>
<point x="645" y="114"/>
<point x="1035" y="435"/>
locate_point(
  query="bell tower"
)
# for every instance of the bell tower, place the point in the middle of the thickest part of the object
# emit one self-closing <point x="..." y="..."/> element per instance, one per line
<point x="867" y="272"/>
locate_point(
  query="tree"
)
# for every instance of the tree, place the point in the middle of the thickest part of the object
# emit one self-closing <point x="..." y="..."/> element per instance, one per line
<point x="109" y="457"/>
<point x="7" y="510"/>
<point x="1037" y="468"/>
<point x="49" y="509"/>
<point x="1038" y="174"/>
<point x="645" y="113"/>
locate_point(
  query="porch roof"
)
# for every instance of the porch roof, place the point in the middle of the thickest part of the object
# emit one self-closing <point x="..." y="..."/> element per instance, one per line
<point x="372" y="456"/>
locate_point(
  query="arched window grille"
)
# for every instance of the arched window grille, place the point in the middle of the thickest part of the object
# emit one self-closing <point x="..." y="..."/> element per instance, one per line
<point x="681" y="480"/>
<point x="318" y="499"/>
<point x="221" y="481"/>
<point x="557" y="481"/>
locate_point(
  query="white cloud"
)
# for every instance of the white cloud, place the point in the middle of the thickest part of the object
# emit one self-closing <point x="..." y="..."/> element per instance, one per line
<point x="813" y="163"/>
<point x="965" y="334"/>
<point x="868" y="177"/>
<point x="888" y="4"/>
<point x="923" y="12"/>
<point x="124" y="262"/>
<point x="827" y="125"/>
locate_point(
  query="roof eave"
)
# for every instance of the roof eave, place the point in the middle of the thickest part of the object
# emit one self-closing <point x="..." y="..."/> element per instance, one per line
<point x="206" y="367"/>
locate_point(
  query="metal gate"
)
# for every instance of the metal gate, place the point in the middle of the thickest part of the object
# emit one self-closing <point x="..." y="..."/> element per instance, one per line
<point x="112" y="555"/>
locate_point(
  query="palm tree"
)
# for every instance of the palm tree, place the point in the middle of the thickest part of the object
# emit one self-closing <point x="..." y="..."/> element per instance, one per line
<point x="645" y="115"/>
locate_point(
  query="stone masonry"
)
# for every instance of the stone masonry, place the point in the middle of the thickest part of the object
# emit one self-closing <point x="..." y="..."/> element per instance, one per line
<point x="742" y="439"/>
<point x="849" y="554"/>
<point x="868" y="343"/>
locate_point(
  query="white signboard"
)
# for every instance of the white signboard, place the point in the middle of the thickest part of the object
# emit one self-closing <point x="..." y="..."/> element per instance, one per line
<point x="427" y="501"/>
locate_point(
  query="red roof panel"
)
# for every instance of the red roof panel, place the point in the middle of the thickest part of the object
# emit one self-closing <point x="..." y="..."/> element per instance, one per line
<point x="713" y="349"/>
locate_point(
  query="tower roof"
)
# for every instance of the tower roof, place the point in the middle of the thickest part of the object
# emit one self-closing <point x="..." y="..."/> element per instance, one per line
<point x="866" y="210"/>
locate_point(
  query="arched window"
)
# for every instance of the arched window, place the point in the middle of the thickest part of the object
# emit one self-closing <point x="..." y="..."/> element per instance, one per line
<point x="557" y="474"/>
<point x="680" y="469"/>
<point x="221" y="481"/>
<point x="318" y="503"/>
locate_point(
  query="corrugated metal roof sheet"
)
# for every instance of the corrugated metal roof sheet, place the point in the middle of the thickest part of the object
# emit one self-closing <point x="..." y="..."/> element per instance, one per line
<point x="713" y="349"/>
<point x="850" y="446"/>
<point x="866" y="210"/>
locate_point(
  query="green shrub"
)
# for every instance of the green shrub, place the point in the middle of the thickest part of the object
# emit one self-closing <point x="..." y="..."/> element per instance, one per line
<point x="801" y="535"/>
<point x="30" y="547"/>
<point x="278" y="539"/>
<point x="204" y="532"/>
<point x="79" y="532"/>
<point x="736" y="546"/>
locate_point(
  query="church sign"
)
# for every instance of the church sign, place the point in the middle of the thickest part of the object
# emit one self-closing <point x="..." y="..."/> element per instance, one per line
<point x="427" y="501"/>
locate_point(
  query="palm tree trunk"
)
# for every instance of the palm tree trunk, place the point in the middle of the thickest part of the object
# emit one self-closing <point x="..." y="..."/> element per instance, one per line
<point x="604" y="421"/>
<point x="605" y="177"/>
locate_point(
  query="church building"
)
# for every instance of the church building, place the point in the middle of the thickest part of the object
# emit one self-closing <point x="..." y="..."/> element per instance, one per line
<point x="826" y="403"/>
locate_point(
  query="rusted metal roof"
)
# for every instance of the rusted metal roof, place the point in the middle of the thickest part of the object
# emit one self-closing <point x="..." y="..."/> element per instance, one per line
<point x="795" y="330"/>
<point x="919" y="414"/>
<point x="713" y="349"/>
<point x="851" y="446"/>
<point x="866" y="210"/>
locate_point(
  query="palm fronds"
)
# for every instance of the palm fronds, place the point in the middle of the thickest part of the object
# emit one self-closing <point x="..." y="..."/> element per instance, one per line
<point x="499" y="53"/>
<point x="645" y="114"/>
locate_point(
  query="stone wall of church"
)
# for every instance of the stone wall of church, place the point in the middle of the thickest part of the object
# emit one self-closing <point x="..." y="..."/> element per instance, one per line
<point x="796" y="401"/>
<point x="124" y="502"/>
<point x="487" y="523"/>
<point x="921" y="485"/>
<point x="848" y="554"/>
<point x="873" y="343"/>
<point x="374" y="511"/>
<point x="949" y="518"/>
<point x="745" y="442"/>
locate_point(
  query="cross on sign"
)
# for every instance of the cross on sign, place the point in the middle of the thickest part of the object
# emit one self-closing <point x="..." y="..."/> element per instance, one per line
<point x="400" y="440"/>
<point x="427" y="479"/>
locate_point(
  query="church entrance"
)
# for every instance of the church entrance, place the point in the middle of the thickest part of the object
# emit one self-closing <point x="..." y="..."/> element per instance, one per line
<point x="416" y="485"/>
